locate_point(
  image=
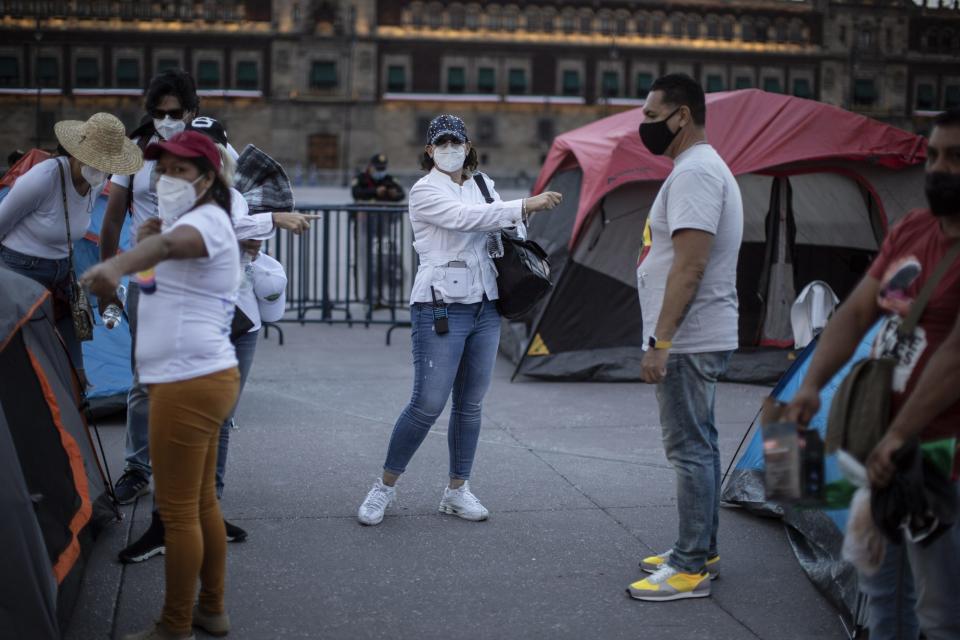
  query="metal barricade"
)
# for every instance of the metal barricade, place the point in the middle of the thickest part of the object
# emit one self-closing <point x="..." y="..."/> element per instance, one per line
<point x="355" y="264"/>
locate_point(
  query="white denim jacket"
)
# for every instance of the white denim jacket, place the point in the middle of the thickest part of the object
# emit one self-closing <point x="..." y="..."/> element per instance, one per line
<point x="450" y="223"/>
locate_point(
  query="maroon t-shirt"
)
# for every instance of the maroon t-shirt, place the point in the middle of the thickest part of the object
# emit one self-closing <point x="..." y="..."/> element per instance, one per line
<point x="909" y="255"/>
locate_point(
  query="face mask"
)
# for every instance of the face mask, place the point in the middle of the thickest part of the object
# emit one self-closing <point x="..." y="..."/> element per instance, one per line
<point x="378" y="175"/>
<point x="94" y="177"/>
<point x="168" y="127"/>
<point x="450" y="158"/>
<point x="175" y="197"/>
<point x="656" y="136"/>
<point x="943" y="193"/>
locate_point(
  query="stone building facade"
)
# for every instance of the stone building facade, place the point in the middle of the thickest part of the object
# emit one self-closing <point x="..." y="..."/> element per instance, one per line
<point x="322" y="84"/>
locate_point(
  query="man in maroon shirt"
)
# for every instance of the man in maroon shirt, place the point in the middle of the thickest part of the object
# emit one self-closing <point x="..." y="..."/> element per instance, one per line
<point x="908" y="256"/>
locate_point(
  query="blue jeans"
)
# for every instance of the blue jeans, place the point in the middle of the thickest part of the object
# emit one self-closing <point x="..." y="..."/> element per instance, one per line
<point x="890" y="608"/>
<point x="686" y="398"/>
<point x="137" y="453"/>
<point x="460" y="361"/>
<point x="246" y="346"/>
<point x="54" y="275"/>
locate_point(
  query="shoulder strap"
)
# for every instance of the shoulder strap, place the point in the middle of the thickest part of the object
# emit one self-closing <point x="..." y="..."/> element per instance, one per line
<point x="66" y="214"/>
<point x="916" y="309"/>
<point x="143" y="141"/>
<point x="478" y="178"/>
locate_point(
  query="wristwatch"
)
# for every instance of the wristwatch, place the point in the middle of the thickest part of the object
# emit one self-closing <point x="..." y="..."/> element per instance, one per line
<point x="653" y="343"/>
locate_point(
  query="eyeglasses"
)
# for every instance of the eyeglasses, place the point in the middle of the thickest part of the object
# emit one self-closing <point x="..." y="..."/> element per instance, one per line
<point x="176" y="114"/>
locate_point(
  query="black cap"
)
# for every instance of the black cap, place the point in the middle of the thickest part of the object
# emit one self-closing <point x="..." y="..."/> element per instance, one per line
<point x="379" y="161"/>
<point x="210" y="128"/>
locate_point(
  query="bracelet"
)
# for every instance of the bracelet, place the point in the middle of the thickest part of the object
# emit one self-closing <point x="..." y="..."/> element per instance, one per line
<point x="523" y="210"/>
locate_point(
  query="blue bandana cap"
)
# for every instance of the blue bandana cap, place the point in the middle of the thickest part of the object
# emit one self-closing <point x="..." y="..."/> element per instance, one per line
<point x="446" y="125"/>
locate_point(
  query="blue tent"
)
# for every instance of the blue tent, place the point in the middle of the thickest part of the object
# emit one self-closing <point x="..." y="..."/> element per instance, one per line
<point x="815" y="535"/>
<point x="106" y="357"/>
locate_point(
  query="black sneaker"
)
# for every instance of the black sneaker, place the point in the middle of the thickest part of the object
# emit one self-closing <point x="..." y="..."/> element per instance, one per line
<point x="150" y="544"/>
<point x="130" y="486"/>
<point x="234" y="533"/>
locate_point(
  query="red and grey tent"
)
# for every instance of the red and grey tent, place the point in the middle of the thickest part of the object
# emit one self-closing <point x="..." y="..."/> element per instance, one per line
<point x="51" y="486"/>
<point x="820" y="187"/>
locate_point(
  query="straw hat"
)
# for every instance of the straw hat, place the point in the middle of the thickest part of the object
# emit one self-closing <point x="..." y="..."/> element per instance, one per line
<point x="100" y="142"/>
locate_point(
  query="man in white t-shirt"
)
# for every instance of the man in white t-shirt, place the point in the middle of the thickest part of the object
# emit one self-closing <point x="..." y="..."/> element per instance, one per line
<point x="688" y="297"/>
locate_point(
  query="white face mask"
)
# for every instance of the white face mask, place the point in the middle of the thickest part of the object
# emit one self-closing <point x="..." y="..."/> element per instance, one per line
<point x="449" y="157"/>
<point x="94" y="177"/>
<point x="175" y="196"/>
<point x="168" y="127"/>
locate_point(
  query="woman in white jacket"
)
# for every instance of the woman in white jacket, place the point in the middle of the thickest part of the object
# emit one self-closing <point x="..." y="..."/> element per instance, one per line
<point x="455" y="324"/>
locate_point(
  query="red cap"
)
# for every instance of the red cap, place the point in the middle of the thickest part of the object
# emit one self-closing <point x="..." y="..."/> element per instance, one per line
<point x="186" y="144"/>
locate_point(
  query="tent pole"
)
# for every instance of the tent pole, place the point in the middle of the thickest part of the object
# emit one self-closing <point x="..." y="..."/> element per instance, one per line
<point x="746" y="433"/>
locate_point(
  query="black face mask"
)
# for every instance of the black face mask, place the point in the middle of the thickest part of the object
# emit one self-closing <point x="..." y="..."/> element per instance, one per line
<point x="656" y="136"/>
<point x="943" y="193"/>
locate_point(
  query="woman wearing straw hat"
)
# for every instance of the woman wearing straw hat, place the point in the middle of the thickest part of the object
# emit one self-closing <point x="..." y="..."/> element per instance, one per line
<point x="58" y="194"/>
<point x="192" y="380"/>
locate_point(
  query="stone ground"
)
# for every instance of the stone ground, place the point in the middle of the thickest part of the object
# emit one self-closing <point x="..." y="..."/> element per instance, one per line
<point x="574" y="477"/>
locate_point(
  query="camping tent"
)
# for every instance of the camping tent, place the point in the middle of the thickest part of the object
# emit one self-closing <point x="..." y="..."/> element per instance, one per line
<point x="107" y="357"/>
<point x="51" y="486"/>
<point x="820" y="187"/>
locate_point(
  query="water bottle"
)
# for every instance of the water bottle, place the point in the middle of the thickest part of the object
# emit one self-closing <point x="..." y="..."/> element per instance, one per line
<point x="113" y="315"/>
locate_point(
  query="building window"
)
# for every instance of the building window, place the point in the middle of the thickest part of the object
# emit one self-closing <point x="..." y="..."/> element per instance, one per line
<point x="456" y="80"/>
<point x="864" y="91"/>
<point x="641" y="22"/>
<point x="772" y="85"/>
<point x="782" y="31"/>
<point x="49" y="71"/>
<point x="88" y="72"/>
<point x="128" y="73"/>
<point x="248" y="76"/>
<point x="656" y="26"/>
<point x="571" y="82"/>
<point x="569" y="22"/>
<point x="713" y="27"/>
<point x="693" y="28"/>
<point x="486" y="80"/>
<point x="534" y="20"/>
<point x="208" y="74"/>
<point x="545" y="130"/>
<point x="9" y="71"/>
<point x="323" y="74"/>
<point x="167" y="63"/>
<point x="865" y="39"/>
<point x="801" y="88"/>
<point x="796" y="32"/>
<point x="743" y="82"/>
<point x="714" y="83"/>
<point x="472" y="21"/>
<point x="951" y="96"/>
<point x="677" y="24"/>
<point x="458" y="16"/>
<point x="396" y="78"/>
<point x="586" y="23"/>
<point x="842" y="36"/>
<point x="644" y="81"/>
<point x="486" y="129"/>
<point x="518" y="81"/>
<point x="610" y="84"/>
<point x="926" y="97"/>
<point x="727" y="30"/>
<point x="749" y="34"/>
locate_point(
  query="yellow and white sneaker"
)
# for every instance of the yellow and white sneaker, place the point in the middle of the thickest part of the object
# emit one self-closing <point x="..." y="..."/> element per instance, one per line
<point x="651" y="564"/>
<point x="669" y="584"/>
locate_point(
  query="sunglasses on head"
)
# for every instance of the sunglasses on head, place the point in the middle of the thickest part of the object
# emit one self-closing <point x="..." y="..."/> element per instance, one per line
<point x="176" y="114"/>
<point x="444" y="139"/>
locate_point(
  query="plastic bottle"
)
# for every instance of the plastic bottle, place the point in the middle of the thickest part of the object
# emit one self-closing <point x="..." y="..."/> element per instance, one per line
<point x="113" y="316"/>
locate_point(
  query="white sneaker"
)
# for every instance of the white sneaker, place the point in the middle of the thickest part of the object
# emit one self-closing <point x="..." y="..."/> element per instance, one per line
<point x="378" y="499"/>
<point x="460" y="502"/>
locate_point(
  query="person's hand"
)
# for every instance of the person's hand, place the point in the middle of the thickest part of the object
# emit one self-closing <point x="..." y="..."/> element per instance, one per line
<point x="653" y="367"/>
<point x="381" y="191"/>
<point x="296" y="223"/>
<point x="149" y="227"/>
<point x="251" y="247"/>
<point x="544" y="202"/>
<point x="102" y="281"/>
<point x="880" y="466"/>
<point x="805" y="405"/>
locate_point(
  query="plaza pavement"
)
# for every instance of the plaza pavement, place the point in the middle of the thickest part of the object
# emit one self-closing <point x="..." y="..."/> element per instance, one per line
<point x="574" y="477"/>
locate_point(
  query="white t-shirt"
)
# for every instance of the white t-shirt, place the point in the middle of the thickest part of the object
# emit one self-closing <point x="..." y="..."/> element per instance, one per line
<point x="700" y="193"/>
<point x="144" y="192"/>
<point x="31" y="214"/>
<point x="183" y="329"/>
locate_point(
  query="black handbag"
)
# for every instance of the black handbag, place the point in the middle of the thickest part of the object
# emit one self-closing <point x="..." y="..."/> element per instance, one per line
<point x="523" y="272"/>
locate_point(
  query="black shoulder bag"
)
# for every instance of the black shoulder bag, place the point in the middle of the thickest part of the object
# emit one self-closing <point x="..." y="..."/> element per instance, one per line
<point x="523" y="272"/>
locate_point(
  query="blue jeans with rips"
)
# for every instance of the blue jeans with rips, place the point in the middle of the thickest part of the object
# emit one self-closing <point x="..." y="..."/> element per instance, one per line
<point x="460" y="362"/>
<point x="891" y="599"/>
<point x="246" y="346"/>
<point x="686" y="398"/>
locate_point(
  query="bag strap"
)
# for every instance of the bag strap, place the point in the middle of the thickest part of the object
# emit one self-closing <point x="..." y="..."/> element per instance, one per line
<point x="66" y="216"/>
<point x="143" y="142"/>
<point x="478" y="178"/>
<point x="920" y="303"/>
